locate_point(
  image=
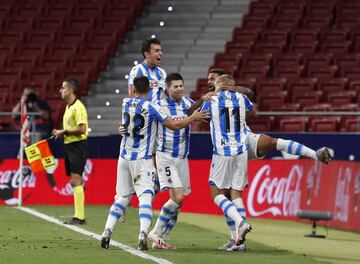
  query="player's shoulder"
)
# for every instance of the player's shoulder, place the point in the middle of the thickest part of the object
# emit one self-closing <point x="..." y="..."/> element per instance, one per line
<point x="162" y="72"/>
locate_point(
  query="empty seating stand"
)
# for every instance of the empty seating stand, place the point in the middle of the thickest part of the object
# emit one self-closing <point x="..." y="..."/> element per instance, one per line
<point x="304" y="53"/>
<point x="42" y="42"/>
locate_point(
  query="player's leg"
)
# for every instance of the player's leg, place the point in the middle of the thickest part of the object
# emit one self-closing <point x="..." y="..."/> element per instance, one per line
<point x="124" y="189"/>
<point x="239" y="180"/>
<point x="267" y="144"/>
<point x="142" y="172"/>
<point x="231" y="226"/>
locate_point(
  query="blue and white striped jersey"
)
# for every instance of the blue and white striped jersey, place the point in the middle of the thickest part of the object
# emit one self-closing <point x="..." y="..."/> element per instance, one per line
<point x="227" y="126"/>
<point x="176" y="143"/>
<point x="140" y="117"/>
<point x="156" y="78"/>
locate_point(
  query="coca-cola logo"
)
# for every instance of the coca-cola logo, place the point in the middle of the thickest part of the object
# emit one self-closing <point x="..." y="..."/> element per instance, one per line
<point x="11" y="178"/>
<point x="279" y="196"/>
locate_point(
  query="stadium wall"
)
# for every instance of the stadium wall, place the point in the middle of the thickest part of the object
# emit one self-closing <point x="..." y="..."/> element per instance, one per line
<point x="277" y="188"/>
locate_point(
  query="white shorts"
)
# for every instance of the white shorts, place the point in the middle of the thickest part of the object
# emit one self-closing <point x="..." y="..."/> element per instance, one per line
<point x="134" y="176"/>
<point x="229" y="172"/>
<point x="173" y="172"/>
<point x="252" y="140"/>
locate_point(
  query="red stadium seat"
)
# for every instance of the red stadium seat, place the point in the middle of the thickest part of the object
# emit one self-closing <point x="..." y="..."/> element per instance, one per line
<point x="288" y="72"/>
<point x="274" y="36"/>
<point x="318" y="10"/>
<point x="306" y="98"/>
<point x="301" y="85"/>
<point x="252" y="60"/>
<point x="252" y="22"/>
<point x="304" y="35"/>
<point x="317" y="108"/>
<point x="336" y="47"/>
<point x="304" y="47"/>
<point x="260" y="123"/>
<point x="332" y="85"/>
<point x="270" y="85"/>
<point x="349" y="9"/>
<point x="334" y="35"/>
<point x="261" y="9"/>
<point x="323" y="72"/>
<point x="340" y="98"/>
<point x="270" y="48"/>
<point x="352" y="73"/>
<point x="238" y="48"/>
<point x="286" y="23"/>
<point x="245" y="36"/>
<point x="315" y="61"/>
<point x="293" y="124"/>
<point x="287" y="60"/>
<point x="355" y="86"/>
<point x="290" y="10"/>
<point x="317" y="22"/>
<point x="266" y="100"/>
<point x="286" y="107"/>
<point x="346" y="108"/>
<point x="246" y="82"/>
<point x="114" y="25"/>
<point x="254" y="72"/>
<point x="347" y="23"/>
<point x="350" y="124"/>
<point x="347" y="60"/>
<point x="322" y="124"/>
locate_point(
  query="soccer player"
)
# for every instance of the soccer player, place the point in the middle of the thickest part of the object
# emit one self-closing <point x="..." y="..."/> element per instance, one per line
<point x="152" y="53"/>
<point x="259" y="146"/>
<point x="228" y="172"/>
<point x="171" y="159"/>
<point x="75" y="133"/>
<point x="135" y="168"/>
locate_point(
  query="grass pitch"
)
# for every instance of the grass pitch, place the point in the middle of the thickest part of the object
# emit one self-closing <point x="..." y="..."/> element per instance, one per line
<point x="28" y="239"/>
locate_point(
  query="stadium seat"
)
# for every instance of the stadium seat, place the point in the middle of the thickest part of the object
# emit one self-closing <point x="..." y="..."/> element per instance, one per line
<point x="303" y="47"/>
<point x="260" y="123"/>
<point x="266" y="100"/>
<point x="315" y="61"/>
<point x="347" y="23"/>
<point x="288" y="72"/>
<point x="323" y="72"/>
<point x="254" y="72"/>
<point x="332" y="85"/>
<point x="352" y="73"/>
<point x="261" y="9"/>
<point x="314" y="9"/>
<point x="270" y="85"/>
<point x="336" y="47"/>
<point x="355" y="86"/>
<point x="286" y="107"/>
<point x="238" y="48"/>
<point x="350" y="124"/>
<point x="241" y="35"/>
<point x="290" y="10"/>
<point x="317" y="22"/>
<point x="274" y="36"/>
<point x="270" y="48"/>
<point x="334" y="35"/>
<point x="292" y="124"/>
<point x="254" y="60"/>
<point x="347" y="60"/>
<point x="246" y="82"/>
<point x="287" y="60"/>
<point x="340" y="98"/>
<point x="317" y="108"/>
<point x="254" y="22"/>
<point x="306" y="98"/>
<point x="304" y="35"/>
<point x="322" y="124"/>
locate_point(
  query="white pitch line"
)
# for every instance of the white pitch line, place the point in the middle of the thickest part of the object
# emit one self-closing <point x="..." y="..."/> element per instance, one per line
<point x="94" y="235"/>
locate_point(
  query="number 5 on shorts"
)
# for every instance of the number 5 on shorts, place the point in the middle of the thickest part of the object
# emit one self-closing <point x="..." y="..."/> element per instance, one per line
<point x="167" y="170"/>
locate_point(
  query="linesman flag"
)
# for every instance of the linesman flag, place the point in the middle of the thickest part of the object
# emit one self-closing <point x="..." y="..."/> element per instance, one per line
<point x="40" y="156"/>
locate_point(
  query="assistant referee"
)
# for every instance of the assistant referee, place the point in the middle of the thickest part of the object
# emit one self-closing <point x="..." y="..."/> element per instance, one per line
<point x="75" y="133"/>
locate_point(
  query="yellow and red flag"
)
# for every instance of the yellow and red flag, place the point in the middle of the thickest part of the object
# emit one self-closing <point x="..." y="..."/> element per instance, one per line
<point x="40" y="156"/>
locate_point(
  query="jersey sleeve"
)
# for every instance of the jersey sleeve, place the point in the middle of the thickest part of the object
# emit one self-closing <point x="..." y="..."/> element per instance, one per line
<point x="135" y="72"/>
<point x="248" y="104"/>
<point x="81" y="115"/>
<point x="158" y="113"/>
<point x="205" y="106"/>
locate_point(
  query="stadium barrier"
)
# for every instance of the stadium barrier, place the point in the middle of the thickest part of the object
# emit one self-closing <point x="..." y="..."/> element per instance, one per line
<point x="277" y="189"/>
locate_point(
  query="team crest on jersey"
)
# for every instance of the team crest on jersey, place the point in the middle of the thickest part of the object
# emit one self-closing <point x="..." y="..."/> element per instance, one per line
<point x="153" y="84"/>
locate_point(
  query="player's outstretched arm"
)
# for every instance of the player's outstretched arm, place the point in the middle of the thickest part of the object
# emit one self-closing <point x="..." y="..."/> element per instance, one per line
<point x="175" y="124"/>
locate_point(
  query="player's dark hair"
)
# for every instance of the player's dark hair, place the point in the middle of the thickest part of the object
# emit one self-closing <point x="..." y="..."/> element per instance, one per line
<point x="74" y="84"/>
<point x="173" y="77"/>
<point x="218" y="71"/>
<point x="141" y="84"/>
<point x="146" y="45"/>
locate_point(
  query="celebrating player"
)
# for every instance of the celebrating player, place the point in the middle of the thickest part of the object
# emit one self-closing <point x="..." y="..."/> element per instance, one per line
<point x="135" y="169"/>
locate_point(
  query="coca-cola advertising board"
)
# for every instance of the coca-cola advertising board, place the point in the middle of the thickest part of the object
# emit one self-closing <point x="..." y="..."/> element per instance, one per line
<point x="277" y="188"/>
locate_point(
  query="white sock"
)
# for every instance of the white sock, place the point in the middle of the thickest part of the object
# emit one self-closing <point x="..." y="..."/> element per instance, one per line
<point x="295" y="148"/>
<point x="228" y="208"/>
<point x="170" y="225"/>
<point x="231" y="226"/>
<point x="240" y="207"/>
<point x="117" y="209"/>
<point x="145" y="212"/>
<point x="168" y="211"/>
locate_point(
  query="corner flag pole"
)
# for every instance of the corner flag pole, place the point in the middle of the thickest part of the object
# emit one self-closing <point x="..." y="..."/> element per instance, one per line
<point x="21" y="160"/>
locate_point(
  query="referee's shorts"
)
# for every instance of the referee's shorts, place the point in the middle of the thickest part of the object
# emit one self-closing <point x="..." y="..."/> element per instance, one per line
<point x="75" y="155"/>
